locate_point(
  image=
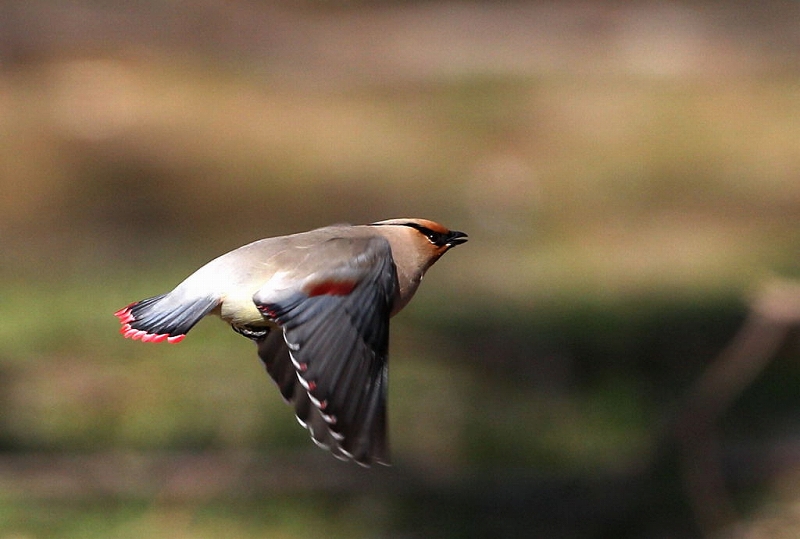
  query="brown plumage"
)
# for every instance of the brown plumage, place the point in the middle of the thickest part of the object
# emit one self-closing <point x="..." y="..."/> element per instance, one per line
<point x="317" y="304"/>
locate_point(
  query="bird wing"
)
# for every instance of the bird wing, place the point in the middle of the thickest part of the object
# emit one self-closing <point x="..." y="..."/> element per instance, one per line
<point x="333" y="306"/>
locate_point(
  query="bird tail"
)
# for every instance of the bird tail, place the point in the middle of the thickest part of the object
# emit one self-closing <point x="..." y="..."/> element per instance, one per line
<point x="163" y="318"/>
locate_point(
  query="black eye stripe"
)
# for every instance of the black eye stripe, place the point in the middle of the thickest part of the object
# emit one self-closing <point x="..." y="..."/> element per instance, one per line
<point x="437" y="238"/>
<point x="440" y="238"/>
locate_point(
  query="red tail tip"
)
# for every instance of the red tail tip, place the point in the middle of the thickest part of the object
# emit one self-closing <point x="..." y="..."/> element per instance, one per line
<point x="125" y="317"/>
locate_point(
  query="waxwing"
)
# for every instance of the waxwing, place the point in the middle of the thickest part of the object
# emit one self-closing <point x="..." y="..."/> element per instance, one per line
<point x="317" y="304"/>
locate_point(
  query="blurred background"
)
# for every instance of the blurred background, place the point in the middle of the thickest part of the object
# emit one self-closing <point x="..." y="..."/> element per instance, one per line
<point x="612" y="355"/>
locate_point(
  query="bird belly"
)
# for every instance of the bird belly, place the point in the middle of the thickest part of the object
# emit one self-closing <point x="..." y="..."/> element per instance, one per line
<point x="241" y="311"/>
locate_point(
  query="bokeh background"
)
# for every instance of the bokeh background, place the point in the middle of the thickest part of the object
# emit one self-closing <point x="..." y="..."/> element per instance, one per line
<point x="610" y="356"/>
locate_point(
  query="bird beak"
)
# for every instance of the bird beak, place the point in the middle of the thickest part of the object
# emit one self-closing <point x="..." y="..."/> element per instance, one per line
<point x="456" y="238"/>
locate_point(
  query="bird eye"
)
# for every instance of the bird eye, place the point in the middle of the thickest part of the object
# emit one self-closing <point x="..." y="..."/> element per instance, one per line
<point x="436" y="238"/>
<point x="439" y="239"/>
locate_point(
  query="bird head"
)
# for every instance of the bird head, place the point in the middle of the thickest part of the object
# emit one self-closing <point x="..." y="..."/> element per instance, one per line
<point x="419" y="241"/>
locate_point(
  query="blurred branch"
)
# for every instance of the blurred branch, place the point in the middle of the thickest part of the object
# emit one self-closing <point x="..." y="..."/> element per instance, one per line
<point x="774" y="311"/>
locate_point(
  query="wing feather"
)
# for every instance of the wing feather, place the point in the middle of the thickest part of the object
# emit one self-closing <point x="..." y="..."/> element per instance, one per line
<point x="273" y="352"/>
<point x="339" y="342"/>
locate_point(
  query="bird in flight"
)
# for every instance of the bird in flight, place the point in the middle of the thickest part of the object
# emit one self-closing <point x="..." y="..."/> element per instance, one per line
<point x="317" y="304"/>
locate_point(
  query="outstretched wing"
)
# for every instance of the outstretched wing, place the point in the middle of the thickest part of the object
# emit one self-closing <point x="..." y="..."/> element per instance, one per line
<point x="336" y="331"/>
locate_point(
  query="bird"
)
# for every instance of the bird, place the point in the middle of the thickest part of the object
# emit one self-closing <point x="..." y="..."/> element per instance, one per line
<point x="317" y="304"/>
